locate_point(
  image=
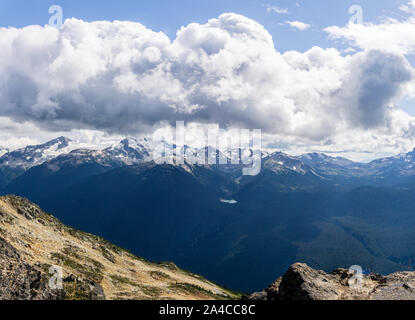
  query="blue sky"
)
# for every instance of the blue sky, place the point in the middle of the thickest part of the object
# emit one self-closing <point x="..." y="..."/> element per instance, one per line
<point x="169" y="16"/>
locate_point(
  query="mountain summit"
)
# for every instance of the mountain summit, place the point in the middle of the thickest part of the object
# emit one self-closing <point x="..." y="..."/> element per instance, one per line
<point x="129" y="151"/>
<point x="14" y="163"/>
<point x="34" y="155"/>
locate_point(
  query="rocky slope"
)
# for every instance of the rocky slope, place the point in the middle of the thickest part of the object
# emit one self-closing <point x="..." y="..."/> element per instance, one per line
<point x="301" y="282"/>
<point x="31" y="241"/>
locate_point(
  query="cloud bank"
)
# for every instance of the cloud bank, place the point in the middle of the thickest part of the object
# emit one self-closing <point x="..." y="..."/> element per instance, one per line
<point x="123" y="78"/>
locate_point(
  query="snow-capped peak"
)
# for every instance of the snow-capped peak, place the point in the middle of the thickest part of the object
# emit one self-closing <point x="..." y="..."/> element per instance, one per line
<point x="37" y="154"/>
<point x="279" y="161"/>
<point x="3" y="151"/>
<point x="129" y="151"/>
<point x="319" y="159"/>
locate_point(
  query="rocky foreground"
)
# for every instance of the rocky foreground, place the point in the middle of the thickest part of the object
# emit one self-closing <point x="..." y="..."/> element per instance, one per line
<point x="32" y="241"/>
<point x="301" y="282"/>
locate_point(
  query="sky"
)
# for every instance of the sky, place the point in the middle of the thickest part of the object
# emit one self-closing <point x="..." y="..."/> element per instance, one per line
<point x="300" y="71"/>
<point x="170" y="16"/>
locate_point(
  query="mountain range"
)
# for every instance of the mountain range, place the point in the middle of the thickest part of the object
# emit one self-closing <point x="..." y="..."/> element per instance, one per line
<point x="325" y="211"/>
<point x="131" y="151"/>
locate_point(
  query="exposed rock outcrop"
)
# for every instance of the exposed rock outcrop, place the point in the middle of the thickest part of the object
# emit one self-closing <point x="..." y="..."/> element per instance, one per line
<point x="21" y="281"/>
<point x="301" y="282"/>
<point x="34" y="246"/>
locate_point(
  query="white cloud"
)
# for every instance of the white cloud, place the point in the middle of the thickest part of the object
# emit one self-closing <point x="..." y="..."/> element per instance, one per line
<point x="15" y="135"/>
<point x="115" y="78"/>
<point x="349" y="50"/>
<point x="391" y="35"/>
<point x="408" y="8"/>
<point x="276" y="9"/>
<point x="298" y="25"/>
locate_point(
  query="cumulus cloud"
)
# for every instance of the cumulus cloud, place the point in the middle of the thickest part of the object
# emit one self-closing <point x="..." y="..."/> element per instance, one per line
<point x="375" y="80"/>
<point x="298" y="25"/>
<point x="123" y="78"/>
<point x="391" y="35"/>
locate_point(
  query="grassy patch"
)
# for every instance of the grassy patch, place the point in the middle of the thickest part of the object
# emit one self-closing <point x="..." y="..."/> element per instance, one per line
<point x="196" y="290"/>
<point x="8" y="220"/>
<point x="76" y="291"/>
<point x="231" y="293"/>
<point x="158" y="275"/>
<point x="91" y="272"/>
<point x="109" y="246"/>
<point x="151" y="291"/>
<point x="72" y="252"/>
<point x="122" y="280"/>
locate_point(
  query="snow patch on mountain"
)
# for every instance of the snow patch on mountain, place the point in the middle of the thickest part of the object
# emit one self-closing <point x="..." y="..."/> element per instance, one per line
<point x="280" y="162"/>
<point x="3" y="151"/>
<point x="129" y="151"/>
<point x="30" y="156"/>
